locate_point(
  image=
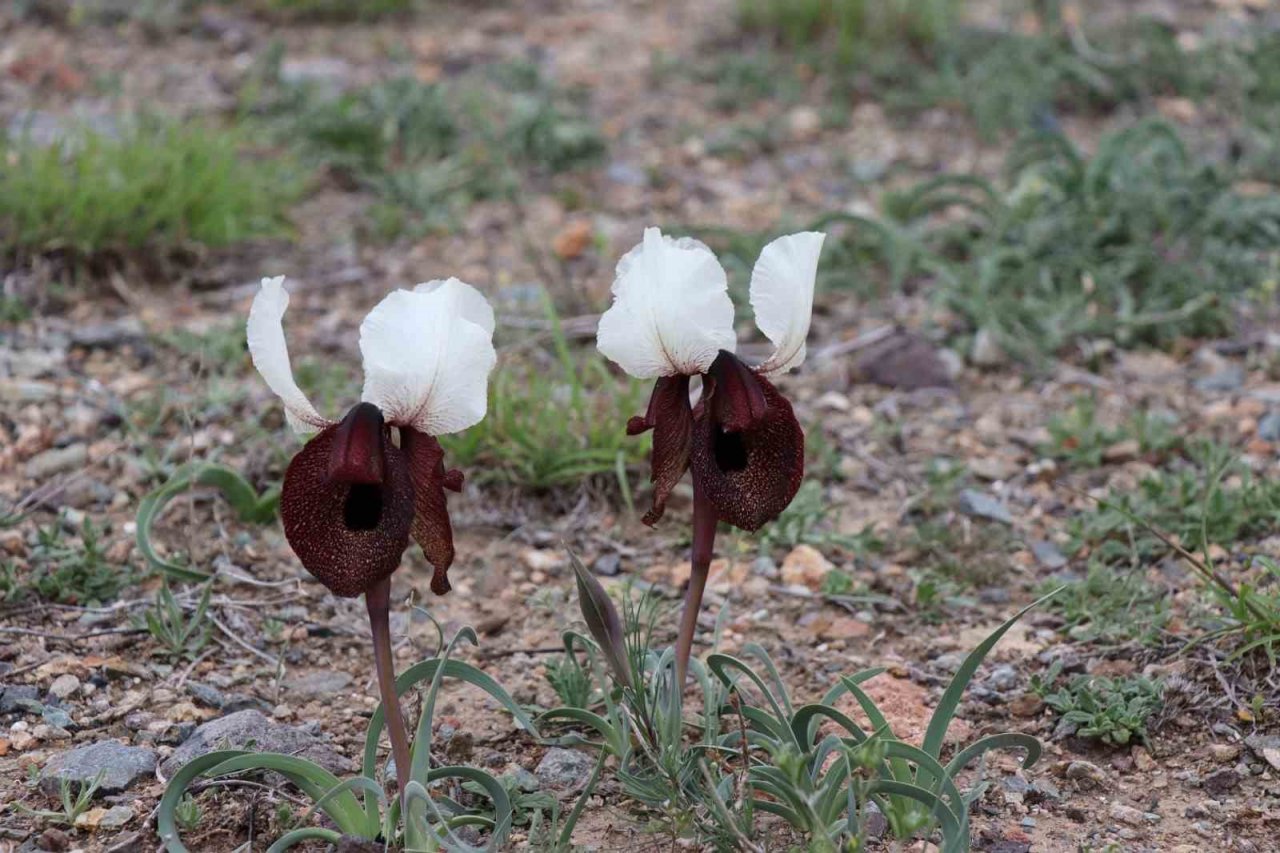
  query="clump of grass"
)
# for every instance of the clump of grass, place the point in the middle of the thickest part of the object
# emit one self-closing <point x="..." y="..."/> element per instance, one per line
<point x="1111" y="605"/>
<point x="1184" y="513"/>
<point x="157" y="184"/>
<point x="552" y="425"/>
<point x="848" y="28"/>
<point x="427" y="150"/>
<point x="1141" y="244"/>
<point x="68" y="570"/>
<point x="335" y="10"/>
<point x="1079" y="438"/>
<point x="1210" y="498"/>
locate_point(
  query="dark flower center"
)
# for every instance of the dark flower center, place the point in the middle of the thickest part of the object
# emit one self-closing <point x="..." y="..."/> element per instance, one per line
<point x="362" y="508"/>
<point x="730" y="450"/>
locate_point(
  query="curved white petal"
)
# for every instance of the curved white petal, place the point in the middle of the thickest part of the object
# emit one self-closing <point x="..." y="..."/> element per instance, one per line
<point x="471" y="302"/>
<point x="782" y="295"/>
<point x="671" y="310"/>
<point x="426" y="365"/>
<point x="270" y="353"/>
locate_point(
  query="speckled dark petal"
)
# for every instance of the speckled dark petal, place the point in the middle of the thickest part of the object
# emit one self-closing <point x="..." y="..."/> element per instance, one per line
<point x="348" y="535"/>
<point x="671" y="420"/>
<point x="431" y="527"/>
<point x="750" y="475"/>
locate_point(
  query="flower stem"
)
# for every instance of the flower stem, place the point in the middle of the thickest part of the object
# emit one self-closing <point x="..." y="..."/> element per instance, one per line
<point x="704" y="537"/>
<point x="378" y="601"/>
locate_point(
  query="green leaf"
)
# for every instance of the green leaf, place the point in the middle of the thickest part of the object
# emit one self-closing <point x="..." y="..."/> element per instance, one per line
<point x="166" y="821"/>
<point x="248" y="504"/>
<point x="1007" y="740"/>
<point x="426" y="671"/>
<point x="946" y="710"/>
<point x="603" y="622"/>
<point x="719" y="663"/>
<point x="614" y="740"/>
<point x="953" y="835"/>
<point x="306" y="833"/>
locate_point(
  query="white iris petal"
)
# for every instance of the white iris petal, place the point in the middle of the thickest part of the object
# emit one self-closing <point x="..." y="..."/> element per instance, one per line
<point x="426" y="358"/>
<point x="671" y="310"/>
<point x="270" y="354"/>
<point x="782" y="296"/>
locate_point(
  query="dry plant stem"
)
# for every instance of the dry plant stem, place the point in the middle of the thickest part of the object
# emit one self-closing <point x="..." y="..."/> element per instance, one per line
<point x="378" y="601"/>
<point x="704" y="536"/>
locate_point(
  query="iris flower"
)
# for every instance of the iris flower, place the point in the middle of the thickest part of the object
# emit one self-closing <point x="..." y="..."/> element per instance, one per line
<point x="672" y="320"/>
<point x="363" y="485"/>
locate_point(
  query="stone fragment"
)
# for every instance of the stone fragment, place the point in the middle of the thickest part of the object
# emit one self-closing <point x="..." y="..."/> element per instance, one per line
<point x="251" y="729"/>
<point x="983" y="505"/>
<point x="121" y="767"/>
<point x="805" y="566"/>
<point x="564" y="769"/>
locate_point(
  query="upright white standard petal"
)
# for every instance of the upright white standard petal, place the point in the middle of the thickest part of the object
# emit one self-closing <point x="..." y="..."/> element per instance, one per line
<point x="782" y="296"/>
<point x="426" y="364"/>
<point x="270" y="353"/>
<point x="471" y="302"/>
<point x="671" y="310"/>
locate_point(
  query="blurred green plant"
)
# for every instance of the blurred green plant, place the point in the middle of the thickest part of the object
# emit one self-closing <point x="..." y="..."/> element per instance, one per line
<point x="76" y="797"/>
<point x="553" y="422"/>
<point x="428" y="150"/>
<point x="64" y="569"/>
<point x="1209" y="499"/>
<point x="156" y="183"/>
<point x="1078" y="437"/>
<point x="334" y="10"/>
<point x="1111" y="604"/>
<point x="850" y="28"/>
<point x="1142" y="244"/>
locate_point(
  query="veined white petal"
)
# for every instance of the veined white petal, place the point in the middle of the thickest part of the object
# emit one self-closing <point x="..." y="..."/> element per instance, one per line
<point x="671" y="310"/>
<point x="471" y="302"/>
<point x="270" y="353"/>
<point x="782" y="295"/>
<point x="426" y="365"/>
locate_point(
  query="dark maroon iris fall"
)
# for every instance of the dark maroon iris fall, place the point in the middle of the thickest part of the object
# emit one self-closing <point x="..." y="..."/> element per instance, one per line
<point x="352" y="499"/>
<point x="742" y="442"/>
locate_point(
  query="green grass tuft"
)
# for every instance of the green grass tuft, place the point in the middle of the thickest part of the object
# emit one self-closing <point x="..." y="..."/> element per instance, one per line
<point x="158" y="184"/>
<point x="850" y="28"/>
<point x="428" y="150"/>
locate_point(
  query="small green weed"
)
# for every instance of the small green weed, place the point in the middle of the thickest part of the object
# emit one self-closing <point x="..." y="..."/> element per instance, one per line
<point x="65" y="570"/>
<point x="1209" y="499"/>
<point x="850" y="28"/>
<point x="1112" y="710"/>
<point x="158" y="184"/>
<point x="429" y="150"/>
<point x="1112" y="605"/>
<point x="806" y="521"/>
<point x="1079" y="438"/>
<point x="73" y="804"/>
<point x="553" y="422"/>
<point x="334" y="10"/>
<point x="188" y="813"/>
<point x="218" y="350"/>
<point x="179" y="637"/>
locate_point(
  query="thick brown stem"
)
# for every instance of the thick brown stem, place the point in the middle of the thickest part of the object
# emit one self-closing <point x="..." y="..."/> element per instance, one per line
<point x="378" y="600"/>
<point x="704" y="537"/>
